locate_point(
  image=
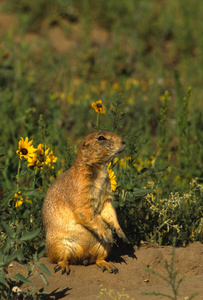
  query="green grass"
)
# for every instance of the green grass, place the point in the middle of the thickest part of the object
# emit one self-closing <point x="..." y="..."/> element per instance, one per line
<point x="147" y="70"/>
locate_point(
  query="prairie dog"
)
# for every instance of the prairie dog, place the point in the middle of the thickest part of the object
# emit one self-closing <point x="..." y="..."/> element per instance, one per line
<point x="77" y="212"/>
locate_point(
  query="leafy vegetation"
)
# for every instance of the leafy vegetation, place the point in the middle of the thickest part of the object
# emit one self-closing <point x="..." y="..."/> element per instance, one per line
<point x="143" y="61"/>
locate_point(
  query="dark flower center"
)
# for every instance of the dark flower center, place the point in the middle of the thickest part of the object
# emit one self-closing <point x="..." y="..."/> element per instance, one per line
<point x="42" y="157"/>
<point x="24" y="151"/>
<point x="99" y="106"/>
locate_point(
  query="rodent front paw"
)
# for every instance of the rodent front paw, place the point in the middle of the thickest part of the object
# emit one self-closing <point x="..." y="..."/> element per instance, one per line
<point x="122" y="235"/>
<point x="107" y="239"/>
<point x="125" y="239"/>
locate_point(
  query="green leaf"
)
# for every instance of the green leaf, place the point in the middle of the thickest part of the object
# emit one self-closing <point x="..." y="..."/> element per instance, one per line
<point x="8" y="229"/>
<point x="44" y="268"/>
<point x="2" y="151"/>
<point x="20" y="256"/>
<point x="23" y="173"/>
<point x="43" y="278"/>
<point x="7" y="196"/>
<point x="141" y="192"/>
<point x="41" y="250"/>
<point x="128" y="187"/>
<point x="2" y="280"/>
<point x="34" y="193"/>
<point x="12" y="256"/>
<point x="28" y="267"/>
<point x="21" y="278"/>
<point x="18" y="230"/>
<point x="193" y="296"/>
<point x="30" y="235"/>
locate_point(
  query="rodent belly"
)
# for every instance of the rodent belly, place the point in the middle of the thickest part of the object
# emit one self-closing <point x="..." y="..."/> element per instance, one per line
<point x="65" y="225"/>
<point x="82" y="235"/>
<point x="85" y="248"/>
<point x="81" y="244"/>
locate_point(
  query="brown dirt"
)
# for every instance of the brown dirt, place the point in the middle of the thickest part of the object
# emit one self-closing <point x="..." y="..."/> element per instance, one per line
<point x="86" y="282"/>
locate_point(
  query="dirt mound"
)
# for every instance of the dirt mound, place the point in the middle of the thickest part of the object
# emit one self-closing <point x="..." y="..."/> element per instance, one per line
<point x="89" y="282"/>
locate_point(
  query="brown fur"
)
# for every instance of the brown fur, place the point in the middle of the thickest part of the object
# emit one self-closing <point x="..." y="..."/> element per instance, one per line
<point x="77" y="212"/>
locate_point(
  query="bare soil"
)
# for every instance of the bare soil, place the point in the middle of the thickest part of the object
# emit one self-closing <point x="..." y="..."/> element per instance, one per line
<point x="86" y="282"/>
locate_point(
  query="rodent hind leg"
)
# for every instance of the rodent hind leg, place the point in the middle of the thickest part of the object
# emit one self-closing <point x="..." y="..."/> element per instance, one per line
<point x="98" y="253"/>
<point x="64" y="266"/>
<point x="104" y="265"/>
<point x="64" y="252"/>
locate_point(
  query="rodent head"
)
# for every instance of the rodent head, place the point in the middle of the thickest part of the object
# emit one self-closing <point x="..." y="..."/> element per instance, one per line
<point x="100" y="148"/>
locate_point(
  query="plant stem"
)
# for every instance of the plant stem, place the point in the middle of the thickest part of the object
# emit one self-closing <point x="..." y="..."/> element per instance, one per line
<point x="34" y="179"/>
<point x="163" y="130"/>
<point x="97" y="122"/>
<point x="18" y="175"/>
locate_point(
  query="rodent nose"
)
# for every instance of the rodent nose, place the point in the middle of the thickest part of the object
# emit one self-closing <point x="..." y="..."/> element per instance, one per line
<point x="123" y="142"/>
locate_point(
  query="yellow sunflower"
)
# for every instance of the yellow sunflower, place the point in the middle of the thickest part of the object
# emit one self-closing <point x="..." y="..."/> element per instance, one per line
<point x="99" y="107"/>
<point x="51" y="159"/>
<point x="124" y="161"/>
<point x="19" y="199"/>
<point x="112" y="178"/>
<point x="43" y="157"/>
<point x="26" y="149"/>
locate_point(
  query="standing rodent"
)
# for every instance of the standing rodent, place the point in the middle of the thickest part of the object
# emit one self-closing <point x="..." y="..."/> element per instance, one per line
<point x="77" y="213"/>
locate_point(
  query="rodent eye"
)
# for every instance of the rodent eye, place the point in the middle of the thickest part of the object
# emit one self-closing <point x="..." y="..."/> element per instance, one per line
<point x="101" y="138"/>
